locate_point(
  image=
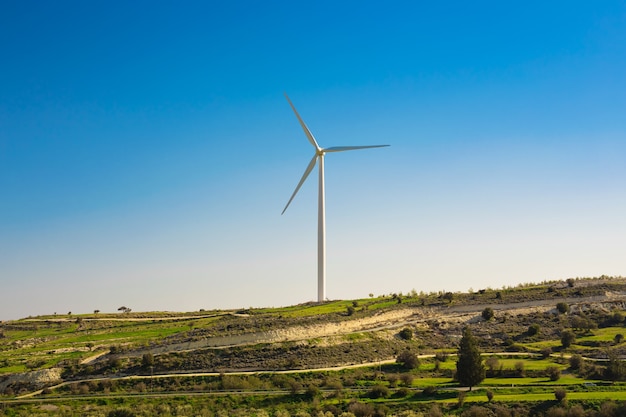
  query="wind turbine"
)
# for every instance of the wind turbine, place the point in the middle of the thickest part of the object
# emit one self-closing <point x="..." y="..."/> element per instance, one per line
<point x="321" y="214"/>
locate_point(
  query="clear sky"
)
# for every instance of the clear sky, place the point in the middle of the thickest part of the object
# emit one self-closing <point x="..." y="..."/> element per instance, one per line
<point x="147" y="151"/>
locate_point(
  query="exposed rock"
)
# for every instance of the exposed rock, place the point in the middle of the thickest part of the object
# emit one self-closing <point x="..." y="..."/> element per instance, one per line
<point x="36" y="379"/>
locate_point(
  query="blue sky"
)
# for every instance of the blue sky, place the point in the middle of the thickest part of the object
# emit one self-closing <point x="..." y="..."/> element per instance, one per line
<point x="146" y="149"/>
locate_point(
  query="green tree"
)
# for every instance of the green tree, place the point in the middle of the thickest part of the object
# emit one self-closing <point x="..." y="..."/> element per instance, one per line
<point x="560" y="394"/>
<point x="567" y="337"/>
<point x="147" y="360"/>
<point x="615" y="369"/>
<point x="408" y="360"/>
<point x="553" y="372"/>
<point x="406" y="333"/>
<point x="470" y="370"/>
<point x="533" y="329"/>
<point x="562" y="307"/>
<point x="575" y="362"/>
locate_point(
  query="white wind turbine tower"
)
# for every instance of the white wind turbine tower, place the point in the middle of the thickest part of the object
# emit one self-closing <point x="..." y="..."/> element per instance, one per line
<point x="321" y="219"/>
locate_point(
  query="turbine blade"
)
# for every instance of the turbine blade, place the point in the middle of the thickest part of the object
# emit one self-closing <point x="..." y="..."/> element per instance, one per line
<point x="304" y="176"/>
<point x="351" y="148"/>
<point x="307" y="132"/>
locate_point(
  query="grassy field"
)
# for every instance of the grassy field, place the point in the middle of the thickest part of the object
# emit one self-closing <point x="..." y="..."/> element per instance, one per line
<point x="174" y="345"/>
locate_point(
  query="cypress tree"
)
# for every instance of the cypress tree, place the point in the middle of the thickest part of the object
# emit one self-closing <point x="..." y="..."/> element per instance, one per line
<point x="470" y="370"/>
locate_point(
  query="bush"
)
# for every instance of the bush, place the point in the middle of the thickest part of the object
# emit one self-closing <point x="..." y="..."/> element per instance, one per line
<point x="147" y="360"/>
<point x="560" y="394"/>
<point x="553" y="372"/>
<point x="476" y="411"/>
<point x="403" y="392"/>
<point x="492" y="363"/>
<point x="575" y="362"/>
<point x="489" y="395"/>
<point x="378" y="391"/>
<point x="407" y="379"/>
<point x="533" y="329"/>
<point x="546" y="352"/>
<point x="408" y="360"/>
<point x="562" y="307"/>
<point x="406" y="334"/>
<point x="487" y="313"/>
<point x="122" y="412"/>
<point x="567" y="337"/>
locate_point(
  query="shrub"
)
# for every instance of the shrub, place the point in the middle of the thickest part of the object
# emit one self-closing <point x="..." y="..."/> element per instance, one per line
<point x="312" y="391"/>
<point x="429" y="391"/>
<point x="403" y="392"/>
<point x="567" y="337"/>
<point x="406" y="333"/>
<point x="489" y="395"/>
<point x="546" y="352"/>
<point x="492" y="363"/>
<point x="575" y="362"/>
<point x="435" y="411"/>
<point x="533" y="329"/>
<point x="408" y="360"/>
<point x="487" y="313"/>
<point x="476" y="411"/>
<point x="147" y="360"/>
<point x="360" y="409"/>
<point x="407" y="379"/>
<point x="562" y="307"/>
<point x="553" y="372"/>
<point x="460" y="399"/>
<point x="122" y="412"/>
<point x="560" y="394"/>
<point x="619" y="338"/>
<point x="378" y="391"/>
<point x="519" y="368"/>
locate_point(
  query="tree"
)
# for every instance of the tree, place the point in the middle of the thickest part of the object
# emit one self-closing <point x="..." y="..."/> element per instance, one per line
<point x="470" y="370"/>
<point x="147" y="360"/>
<point x="562" y="307"/>
<point x="553" y="372"/>
<point x="487" y="313"/>
<point x="570" y="282"/>
<point x="533" y="329"/>
<point x="615" y="369"/>
<point x="489" y="395"/>
<point x="619" y="338"/>
<point x="567" y="337"/>
<point x="560" y="394"/>
<point x="575" y="362"/>
<point x="408" y="360"/>
<point x="493" y="363"/>
<point x="406" y="333"/>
